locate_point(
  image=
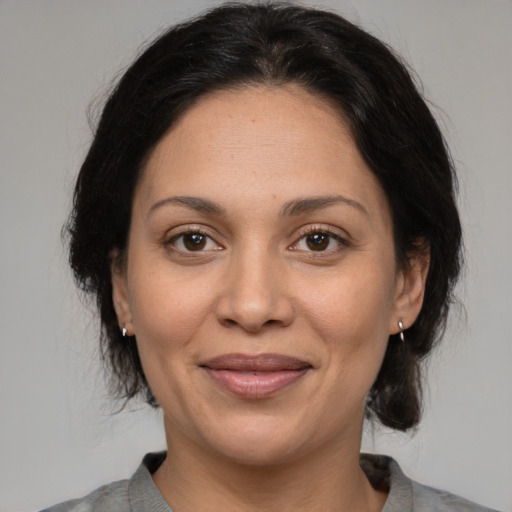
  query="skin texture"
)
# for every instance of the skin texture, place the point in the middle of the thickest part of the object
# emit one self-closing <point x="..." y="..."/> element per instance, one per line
<point x="256" y="285"/>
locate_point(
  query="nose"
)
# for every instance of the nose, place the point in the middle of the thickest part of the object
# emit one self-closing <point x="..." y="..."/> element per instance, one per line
<point x="255" y="293"/>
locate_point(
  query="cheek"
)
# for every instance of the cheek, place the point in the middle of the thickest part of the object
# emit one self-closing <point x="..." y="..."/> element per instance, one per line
<point x="354" y="307"/>
<point x="168" y="312"/>
<point x="167" y="308"/>
<point x="351" y="317"/>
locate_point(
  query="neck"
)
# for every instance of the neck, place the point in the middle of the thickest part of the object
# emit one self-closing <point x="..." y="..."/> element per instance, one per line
<point x="327" y="480"/>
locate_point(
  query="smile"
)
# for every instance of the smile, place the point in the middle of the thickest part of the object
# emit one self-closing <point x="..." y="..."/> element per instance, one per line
<point x="255" y="377"/>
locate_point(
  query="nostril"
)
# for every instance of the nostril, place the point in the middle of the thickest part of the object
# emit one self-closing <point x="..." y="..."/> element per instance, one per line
<point x="250" y="327"/>
<point x="252" y="308"/>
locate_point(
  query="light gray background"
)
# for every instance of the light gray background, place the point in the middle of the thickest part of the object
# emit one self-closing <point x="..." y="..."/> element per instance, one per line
<point x="57" y="438"/>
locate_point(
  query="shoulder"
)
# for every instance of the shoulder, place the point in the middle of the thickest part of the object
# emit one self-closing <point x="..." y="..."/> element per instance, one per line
<point x="428" y="499"/>
<point x="138" y="494"/>
<point x="114" y="496"/>
<point x="406" y="495"/>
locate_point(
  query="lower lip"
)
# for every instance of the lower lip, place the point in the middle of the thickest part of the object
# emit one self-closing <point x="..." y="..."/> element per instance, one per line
<point x="255" y="385"/>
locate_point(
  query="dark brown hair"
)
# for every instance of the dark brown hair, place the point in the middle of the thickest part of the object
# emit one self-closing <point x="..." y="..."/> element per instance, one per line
<point x="239" y="44"/>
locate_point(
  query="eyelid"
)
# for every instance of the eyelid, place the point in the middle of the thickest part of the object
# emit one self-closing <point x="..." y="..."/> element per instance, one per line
<point x="339" y="235"/>
<point x="180" y="231"/>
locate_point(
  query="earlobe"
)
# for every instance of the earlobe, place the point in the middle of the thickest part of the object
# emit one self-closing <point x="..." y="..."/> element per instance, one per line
<point x="410" y="291"/>
<point x="120" y="297"/>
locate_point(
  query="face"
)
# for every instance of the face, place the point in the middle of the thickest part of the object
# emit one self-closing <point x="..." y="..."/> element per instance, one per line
<point x="261" y="281"/>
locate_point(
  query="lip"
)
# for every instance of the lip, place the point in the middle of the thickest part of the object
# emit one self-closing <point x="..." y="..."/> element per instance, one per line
<point x="255" y="377"/>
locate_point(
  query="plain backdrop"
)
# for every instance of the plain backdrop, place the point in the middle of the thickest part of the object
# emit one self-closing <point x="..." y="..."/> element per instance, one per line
<point x="58" y="438"/>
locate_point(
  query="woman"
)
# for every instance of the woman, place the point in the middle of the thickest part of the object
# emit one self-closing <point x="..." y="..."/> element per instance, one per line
<point x="266" y="218"/>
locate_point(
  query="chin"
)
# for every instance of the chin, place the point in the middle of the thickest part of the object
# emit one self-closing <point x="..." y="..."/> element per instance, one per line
<point x="263" y="441"/>
<point x="261" y="453"/>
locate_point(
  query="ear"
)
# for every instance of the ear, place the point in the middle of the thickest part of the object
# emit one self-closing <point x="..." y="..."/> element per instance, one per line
<point x="410" y="289"/>
<point x="120" y="296"/>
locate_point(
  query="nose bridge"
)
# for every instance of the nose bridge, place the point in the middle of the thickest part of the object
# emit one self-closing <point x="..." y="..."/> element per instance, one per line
<point x="256" y="289"/>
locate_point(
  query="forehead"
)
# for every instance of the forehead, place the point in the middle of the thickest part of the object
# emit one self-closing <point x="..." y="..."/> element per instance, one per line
<point x="269" y="117"/>
<point x="260" y="141"/>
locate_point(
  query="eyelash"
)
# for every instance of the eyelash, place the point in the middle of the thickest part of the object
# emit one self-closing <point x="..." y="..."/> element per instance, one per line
<point x="321" y="230"/>
<point x="313" y="230"/>
<point x="171" y="242"/>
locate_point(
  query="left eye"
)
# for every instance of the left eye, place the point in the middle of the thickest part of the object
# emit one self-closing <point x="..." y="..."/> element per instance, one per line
<point x="318" y="241"/>
<point x="193" y="242"/>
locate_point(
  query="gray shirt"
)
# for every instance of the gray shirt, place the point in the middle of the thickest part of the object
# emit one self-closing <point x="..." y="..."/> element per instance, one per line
<point x="139" y="493"/>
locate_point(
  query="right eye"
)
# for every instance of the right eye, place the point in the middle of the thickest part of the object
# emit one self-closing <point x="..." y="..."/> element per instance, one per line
<point x="193" y="241"/>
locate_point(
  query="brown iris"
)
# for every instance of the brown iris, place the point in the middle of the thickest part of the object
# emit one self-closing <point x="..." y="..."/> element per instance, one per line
<point x="317" y="241"/>
<point x="194" y="241"/>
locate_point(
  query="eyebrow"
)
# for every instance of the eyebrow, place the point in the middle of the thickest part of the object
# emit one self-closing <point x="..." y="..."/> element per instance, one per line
<point x="198" y="204"/>
<point x="292" y="208"/>
<point x="310" y="204"/>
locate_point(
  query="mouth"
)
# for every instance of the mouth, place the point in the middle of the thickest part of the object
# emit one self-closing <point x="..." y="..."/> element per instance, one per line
<point x="255" y="377"/>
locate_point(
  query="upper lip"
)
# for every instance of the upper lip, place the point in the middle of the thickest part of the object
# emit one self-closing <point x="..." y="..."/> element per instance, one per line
<point x="256" y="363"/>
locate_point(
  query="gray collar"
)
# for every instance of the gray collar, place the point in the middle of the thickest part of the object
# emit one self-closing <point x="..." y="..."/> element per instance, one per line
<point x="380" y="469"/>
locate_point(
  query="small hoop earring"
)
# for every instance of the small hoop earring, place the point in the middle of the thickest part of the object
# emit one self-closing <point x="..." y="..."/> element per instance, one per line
<point x="125" y="331"/>
<point x="401" y="327"/>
